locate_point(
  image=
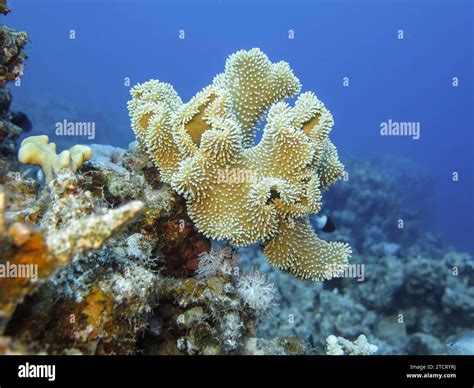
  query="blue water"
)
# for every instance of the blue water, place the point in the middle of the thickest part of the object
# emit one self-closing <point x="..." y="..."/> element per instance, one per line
<point x="406" y="79"/>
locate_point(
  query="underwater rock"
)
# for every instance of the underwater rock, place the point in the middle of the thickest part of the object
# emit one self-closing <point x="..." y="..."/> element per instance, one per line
<point x="423" y="343"/>
<point x="382" y="282"/>
<point x="342" y="315"/>
<point x="426" y="278"/>
<point x="458" y="296"/>
<point x="458" y="299"/>
<point x="106" y="317"/>
<point x="12" y="124"/>
<point x="392" y="330"/>
<point x="109" y="157"/>
<point x="129" y="290"/>
<point x="201" y="317"/>
<point x="9" y="347"/>
<point x="237" y="191"/>
<point x="13" y="56"/>
<point x="280" y="346"/>
<point x="42" y="252"/>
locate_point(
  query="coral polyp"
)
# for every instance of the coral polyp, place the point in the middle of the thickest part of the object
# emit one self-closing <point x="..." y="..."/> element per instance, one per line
<point x="273" y="186"/>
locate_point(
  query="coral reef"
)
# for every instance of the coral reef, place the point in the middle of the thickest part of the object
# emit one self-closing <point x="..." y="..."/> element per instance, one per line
<point x="67" y="285"/>
<point x="110" y="254"/>
<point x="416" y="294"/>
<point x="280" y="346"/>
<point x="11" y="125"/>
<point x="127" y="280"/>
<point x="337" y="346"/>
<point x="373" y="213"/>
<point x="11" y="68"/>
<point x="238" y="191"/>
<point x="46" y="250"/>
<point x="13" y="55"/>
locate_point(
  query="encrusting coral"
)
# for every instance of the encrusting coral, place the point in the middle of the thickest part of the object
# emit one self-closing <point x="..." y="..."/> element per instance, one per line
<point x="236" y="190"/>
<point x="38" y="151"/>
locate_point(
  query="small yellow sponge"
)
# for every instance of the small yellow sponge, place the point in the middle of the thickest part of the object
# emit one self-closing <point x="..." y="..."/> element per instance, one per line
<point x="38" y="151"/>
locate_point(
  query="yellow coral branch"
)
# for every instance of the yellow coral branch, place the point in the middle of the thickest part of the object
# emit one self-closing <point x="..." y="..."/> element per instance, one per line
<point x="38" y="151"/>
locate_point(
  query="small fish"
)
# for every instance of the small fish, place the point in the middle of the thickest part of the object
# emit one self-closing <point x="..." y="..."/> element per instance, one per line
<point x="463" y="345"/>
<point x="325" y="223"/>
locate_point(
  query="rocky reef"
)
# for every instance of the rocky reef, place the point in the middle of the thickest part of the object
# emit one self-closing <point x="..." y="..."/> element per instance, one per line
<point x="408" y="292"/>
<point x="101" y="257"/>
<point x="116" y="259"/>
<point x="13" y="54"/>
<point x="11" y="68"/>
